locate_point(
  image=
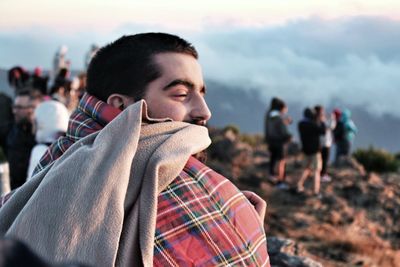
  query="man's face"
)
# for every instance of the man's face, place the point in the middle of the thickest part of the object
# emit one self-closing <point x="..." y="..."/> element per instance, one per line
<point x="23" y="109"/>
<point x="179" y="92"/>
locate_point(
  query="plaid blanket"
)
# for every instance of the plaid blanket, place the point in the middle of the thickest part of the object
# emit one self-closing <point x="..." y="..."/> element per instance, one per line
<point x="204" y="220"/>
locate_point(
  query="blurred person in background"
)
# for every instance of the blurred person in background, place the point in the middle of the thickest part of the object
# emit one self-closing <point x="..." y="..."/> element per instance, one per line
<point x="60" y="94"/>
<point x="6" y="113"/>
<point x="19" y="138"/>
<point x="51" y="122"/>
<point x="310" y="130"/>
<point x="62" y="85"/>
<point x="277" y="136"/>
<point x="338" y="134"/>
<point x="18" y="78"/>
<point x="6" y="119"/>
<point x="39" y="81"/>
<point x="344" y="134"/>
<point x="60" y="61"/>
<point x="350" y="130"/>
<point x="62" y="78"/>
<point x="325" y="140"/>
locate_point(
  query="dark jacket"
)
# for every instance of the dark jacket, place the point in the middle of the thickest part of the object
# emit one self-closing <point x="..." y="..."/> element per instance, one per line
<point x="310" y="133"/>
<point x="6" y="115"/>
<point x="17" y="146"/>
<point x="339" y="132"/>
<point x="276" y="131"/>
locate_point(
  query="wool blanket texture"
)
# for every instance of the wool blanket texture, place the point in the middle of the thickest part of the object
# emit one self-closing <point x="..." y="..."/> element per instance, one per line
<point x="97" y="203"/>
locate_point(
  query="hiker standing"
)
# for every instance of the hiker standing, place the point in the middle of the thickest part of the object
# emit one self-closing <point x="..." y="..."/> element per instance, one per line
<point x="310" y="132"/>
<point x="277" y="136"/>
<point x="326" y="140"/>
<point x="344" y="133"/>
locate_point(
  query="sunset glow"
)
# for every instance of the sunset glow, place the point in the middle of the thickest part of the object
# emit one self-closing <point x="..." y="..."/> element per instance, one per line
<point x="102" y="15"/>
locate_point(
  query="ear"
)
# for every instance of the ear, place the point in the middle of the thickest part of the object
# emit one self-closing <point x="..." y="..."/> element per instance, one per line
<point x="116" y="100"/>
<point x="120" y="101"/>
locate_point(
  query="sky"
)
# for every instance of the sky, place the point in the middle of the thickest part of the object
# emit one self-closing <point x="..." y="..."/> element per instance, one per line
<point x="311" y="52"/>
<point x="106" y="15"/>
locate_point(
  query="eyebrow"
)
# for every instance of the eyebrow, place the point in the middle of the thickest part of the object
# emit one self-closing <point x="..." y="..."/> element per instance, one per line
<point x="185" y="83"/>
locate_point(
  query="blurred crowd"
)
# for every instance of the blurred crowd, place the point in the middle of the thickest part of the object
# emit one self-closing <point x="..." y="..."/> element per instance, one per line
<point x="318" y="133"/>
<point x="37" y="113"/>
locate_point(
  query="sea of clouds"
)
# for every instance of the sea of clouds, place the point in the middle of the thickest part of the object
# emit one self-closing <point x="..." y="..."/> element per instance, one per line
<point x="351" y="61"/>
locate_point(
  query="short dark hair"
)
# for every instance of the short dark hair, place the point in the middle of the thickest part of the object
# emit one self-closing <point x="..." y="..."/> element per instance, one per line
<point x="277" y="104"/>
<point x="309" y="113"/>
<point x="127" y="66"/>
<point x="318" y="109"/>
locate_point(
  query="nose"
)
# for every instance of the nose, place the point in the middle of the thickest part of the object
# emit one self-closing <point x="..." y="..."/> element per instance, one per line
<point x="200" y="111"/>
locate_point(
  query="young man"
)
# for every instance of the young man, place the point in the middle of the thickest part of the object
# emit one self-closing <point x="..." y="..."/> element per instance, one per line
<point x="121" y="188"/>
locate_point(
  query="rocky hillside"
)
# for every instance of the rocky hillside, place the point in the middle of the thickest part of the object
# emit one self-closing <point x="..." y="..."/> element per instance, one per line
<point x="356" y="222"/>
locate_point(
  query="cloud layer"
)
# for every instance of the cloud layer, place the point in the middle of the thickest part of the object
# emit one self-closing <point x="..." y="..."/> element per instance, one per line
<point x="351" y="61"/>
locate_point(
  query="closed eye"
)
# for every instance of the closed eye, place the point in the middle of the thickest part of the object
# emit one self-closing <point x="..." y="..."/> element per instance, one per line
<point x="181" y="95"/>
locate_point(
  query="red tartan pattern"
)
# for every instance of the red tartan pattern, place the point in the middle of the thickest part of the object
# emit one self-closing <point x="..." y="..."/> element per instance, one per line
<point x="204" y="220"/>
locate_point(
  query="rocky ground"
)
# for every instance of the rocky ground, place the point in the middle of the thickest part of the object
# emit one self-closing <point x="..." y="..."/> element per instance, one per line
<point x="356" y="222"/>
